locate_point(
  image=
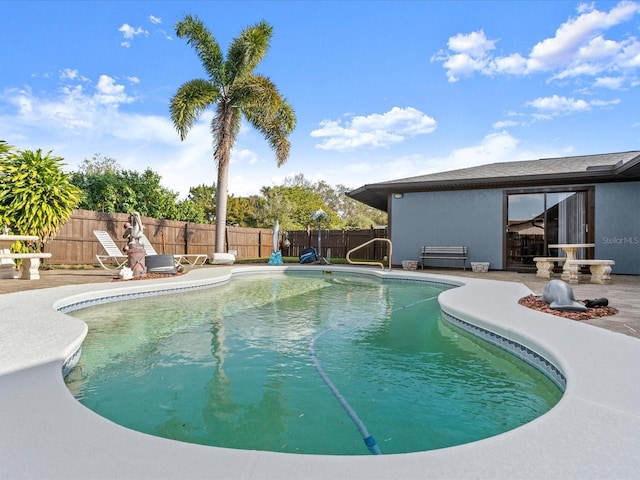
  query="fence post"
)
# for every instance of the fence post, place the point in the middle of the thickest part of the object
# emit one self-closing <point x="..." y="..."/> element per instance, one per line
<point x="186" y="238"/>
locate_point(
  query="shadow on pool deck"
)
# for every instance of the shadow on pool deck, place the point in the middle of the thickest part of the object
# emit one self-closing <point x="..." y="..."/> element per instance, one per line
<point x="623" y="292"/>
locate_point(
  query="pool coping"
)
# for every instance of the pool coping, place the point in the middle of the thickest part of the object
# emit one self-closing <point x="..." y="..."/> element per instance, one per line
<point x="591" y="433"/>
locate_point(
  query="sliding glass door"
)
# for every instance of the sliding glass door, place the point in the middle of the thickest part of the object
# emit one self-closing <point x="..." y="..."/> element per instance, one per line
<point x="535" y="220"/>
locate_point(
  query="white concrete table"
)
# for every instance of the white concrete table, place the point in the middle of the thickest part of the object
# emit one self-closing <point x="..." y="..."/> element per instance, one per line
<point x="7" y="265"/>
<point x="570" y="270"/>
<point x="571" y="249"/>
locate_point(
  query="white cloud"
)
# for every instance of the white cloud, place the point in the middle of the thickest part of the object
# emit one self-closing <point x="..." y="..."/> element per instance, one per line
<point x="129" y="33"/>
<point x="495" y="147"/>
<point x="573" y="39"/>
<point x="613" y="83"/>
<point x="70" y="111"/>
<point x="601" y="55"/>
<point x="577" y="49"/>
<point x="109" y="92"/>
<point x="157" y="21"/>
<point x="558" y="105"/>
<point x="598" y="49"/>
<point x="78" y="121"/>
<point x="143" y="129"/>
<point x="373" y="131"/>
<point x="71" y="74"/>
<point x="514" y="64"/>
<point x="629" y="57"/>
<point x="73" y="108"/>
<point x="463" y="65"/>
<point x="471" y="54"/>
<point x="475" y="44"/>
<point x="505" y="124"/>
<point x="244" y="156"/>
<point x="604" y="103"/>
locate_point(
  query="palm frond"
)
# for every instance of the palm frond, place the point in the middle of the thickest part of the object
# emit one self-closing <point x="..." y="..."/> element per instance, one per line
<point x="208" y="49"/>
<point x="191" y="99"/>
<point x="248" y="50"/>
<point x="268" y="112"/>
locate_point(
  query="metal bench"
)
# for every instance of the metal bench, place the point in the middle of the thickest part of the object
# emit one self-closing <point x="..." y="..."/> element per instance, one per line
<point x="444" y="253"/>
<point x="30" y="263"/>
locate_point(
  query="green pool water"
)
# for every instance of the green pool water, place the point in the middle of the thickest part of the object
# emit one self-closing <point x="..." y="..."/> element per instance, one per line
<point x="232" y="366"/>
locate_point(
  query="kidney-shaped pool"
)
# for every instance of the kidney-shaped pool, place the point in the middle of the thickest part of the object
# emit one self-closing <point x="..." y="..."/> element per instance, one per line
<point x="315" y="363"/>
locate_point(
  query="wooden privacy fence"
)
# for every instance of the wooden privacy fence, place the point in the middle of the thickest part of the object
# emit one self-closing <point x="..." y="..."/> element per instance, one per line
<point x="338" y="242"/>
<point x="76" y="244"/>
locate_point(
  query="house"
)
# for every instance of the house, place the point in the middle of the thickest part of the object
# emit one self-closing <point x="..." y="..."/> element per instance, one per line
<point x="508" y="213"/>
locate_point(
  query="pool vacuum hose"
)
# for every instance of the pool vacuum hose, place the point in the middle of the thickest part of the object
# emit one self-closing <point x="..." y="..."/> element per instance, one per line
<point x="369" y="441"/>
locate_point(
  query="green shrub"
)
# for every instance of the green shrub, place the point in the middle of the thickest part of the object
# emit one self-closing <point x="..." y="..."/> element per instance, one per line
<point x="36" y="197"/>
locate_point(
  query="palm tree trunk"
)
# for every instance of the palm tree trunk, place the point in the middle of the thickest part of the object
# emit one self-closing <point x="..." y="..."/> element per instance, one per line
<point x="221" y="206"/>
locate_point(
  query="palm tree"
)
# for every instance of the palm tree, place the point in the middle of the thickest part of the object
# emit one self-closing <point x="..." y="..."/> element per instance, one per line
<point x="235" y="91"/>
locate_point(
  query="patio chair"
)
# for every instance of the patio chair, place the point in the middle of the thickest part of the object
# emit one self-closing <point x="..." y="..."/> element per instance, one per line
<point x="192" y="259"/>
<point x="112" y="254"/>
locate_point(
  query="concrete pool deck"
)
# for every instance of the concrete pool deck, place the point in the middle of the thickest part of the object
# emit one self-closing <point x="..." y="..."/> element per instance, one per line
<point x="591" y="433"/>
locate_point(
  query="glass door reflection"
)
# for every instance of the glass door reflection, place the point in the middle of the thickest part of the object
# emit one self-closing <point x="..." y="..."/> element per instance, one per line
<point x="535" y="220"/>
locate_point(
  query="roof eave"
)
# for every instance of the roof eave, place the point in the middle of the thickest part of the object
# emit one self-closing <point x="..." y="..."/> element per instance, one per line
<point x="376" y="195"/>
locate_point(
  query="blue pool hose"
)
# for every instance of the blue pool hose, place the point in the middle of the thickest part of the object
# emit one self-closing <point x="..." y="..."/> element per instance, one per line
<point x="369" y="441"/>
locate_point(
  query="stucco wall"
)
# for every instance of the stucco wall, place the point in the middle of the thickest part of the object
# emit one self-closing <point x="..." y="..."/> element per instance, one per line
<point x="474" y="218"/>
<point x="617" y="235"/>
<point x="471" y="217"/>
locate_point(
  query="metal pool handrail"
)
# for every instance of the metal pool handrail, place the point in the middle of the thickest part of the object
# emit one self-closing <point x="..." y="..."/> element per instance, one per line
<point x="371" y="263"/>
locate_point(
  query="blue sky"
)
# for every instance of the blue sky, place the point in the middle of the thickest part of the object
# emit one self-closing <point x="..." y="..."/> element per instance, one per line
<point x="382" y="90"/>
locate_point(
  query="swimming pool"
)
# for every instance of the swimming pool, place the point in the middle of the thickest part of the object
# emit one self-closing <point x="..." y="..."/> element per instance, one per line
<point x="591" y="433"/>
<point x="300" y="363"/>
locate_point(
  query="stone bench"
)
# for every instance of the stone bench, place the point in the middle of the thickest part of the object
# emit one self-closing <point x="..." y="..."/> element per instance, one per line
<point x="30" y="263"/>
<point x="545" y="265"/>
<point x="600" y="270"/>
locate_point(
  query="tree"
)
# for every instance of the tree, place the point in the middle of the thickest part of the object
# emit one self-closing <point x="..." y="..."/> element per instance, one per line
<point x="5" y="155"/>
<point x="36" y="196"/>
<point x="276" y="205"/>
<point x="235" y="91"/>
<point x="204" y="196"/>
<point x="354" y="214"/>
<point x="351" y="213"/>
<point x="5" y="148"/>
<point x="99" y="164"/>
<point x="107" y="188"/>
<point x="293" y="208"/>
<point x="242" y="211"/>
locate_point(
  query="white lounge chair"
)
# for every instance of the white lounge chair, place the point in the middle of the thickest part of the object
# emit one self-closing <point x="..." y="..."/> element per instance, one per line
<point x="192" y="259"/>
<point x="112" y="255"/>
